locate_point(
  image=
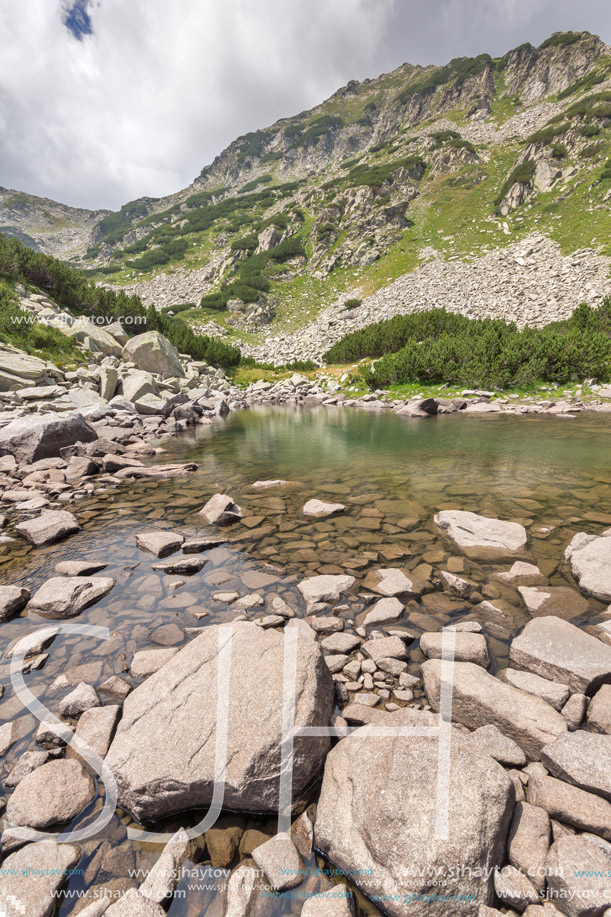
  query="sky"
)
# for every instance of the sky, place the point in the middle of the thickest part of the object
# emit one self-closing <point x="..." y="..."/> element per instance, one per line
<point x="104" y="101"/>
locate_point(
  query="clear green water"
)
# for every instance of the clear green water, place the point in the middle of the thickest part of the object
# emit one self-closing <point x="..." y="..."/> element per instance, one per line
<point x="552" y="474"/>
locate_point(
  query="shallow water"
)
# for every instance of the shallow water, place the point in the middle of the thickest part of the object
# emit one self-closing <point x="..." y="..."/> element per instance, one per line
<point x="552" y="474"/>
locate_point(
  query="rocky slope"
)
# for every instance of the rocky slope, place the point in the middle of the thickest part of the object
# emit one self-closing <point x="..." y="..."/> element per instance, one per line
<point x="437" y="164"/>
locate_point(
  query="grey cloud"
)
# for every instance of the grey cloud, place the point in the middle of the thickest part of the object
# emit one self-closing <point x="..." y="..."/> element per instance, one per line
<point x="158" y="89"/>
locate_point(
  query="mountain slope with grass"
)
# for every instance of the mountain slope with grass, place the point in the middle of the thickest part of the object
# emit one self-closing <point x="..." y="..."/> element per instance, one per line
<point x="385" y="199"/>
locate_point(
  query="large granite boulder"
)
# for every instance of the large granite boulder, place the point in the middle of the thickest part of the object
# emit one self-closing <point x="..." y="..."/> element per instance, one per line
<point x="32" y="876"/>
<point x="376" y="820"/>
<point x="590" y="559"/>
<point x="138" y="383"/>
<point x="480" y="535"/>
<point x="94" y="337"/>
<point x="163" y="754"/>
<point x="18" y="370"/>
<point x="153" y="353"/>
<point x="480" y="699"/>
<point x="559" y="651"/>
<point x="32" y="438"/>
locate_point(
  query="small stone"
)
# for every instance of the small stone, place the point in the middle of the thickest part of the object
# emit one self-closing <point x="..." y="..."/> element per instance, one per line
<point x="96" y="727"/>
<point x="280" y="861"/>
<point x="583" y="759"/>
<point x="514" y="888"/>
<point x="341" y="643"/>
<point x="79" y="567"/>
<point x="504" y="750"/>
<point x="67" y="596"/>
<point x="115" y="686"/>
<point x="467" y="647"/>
<point x="553" y="692"/>
<point x="319" y="508"/>
<point x="221" y="510"/>
<point x="384" y="611"/>
<point x="574" y="711"/>
<point x="49" y="527"/>
<point x="599" y="711"/>
<point x="83" y="698"/>
<point x="185" y="566"/>
<point x="12" y="600"/>
<point x="325" y="588"/>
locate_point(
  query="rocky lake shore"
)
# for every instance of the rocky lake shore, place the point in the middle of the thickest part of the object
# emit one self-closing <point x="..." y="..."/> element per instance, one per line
<point x="367" y="590"/>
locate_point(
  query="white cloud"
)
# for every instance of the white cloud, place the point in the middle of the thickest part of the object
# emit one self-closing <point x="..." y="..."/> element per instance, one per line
<point x="159" y="88"/>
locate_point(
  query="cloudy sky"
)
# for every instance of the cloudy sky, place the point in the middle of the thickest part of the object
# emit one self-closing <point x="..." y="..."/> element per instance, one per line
<point x="102" y="101"/>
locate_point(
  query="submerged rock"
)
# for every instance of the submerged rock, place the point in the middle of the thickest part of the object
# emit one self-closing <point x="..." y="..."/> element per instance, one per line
<point x="163" y="754"/>
<point x="379" y="795"/>
<point x="320" y="508"/>
<point x="159" y="543"/>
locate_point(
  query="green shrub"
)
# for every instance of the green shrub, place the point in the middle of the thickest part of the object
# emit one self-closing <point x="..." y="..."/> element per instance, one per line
<point x="352" y="303"/>
<point x="606" y="172"/>
<point x="38" y="340"/>
<point x="589" y="130"/>
<point x="461" y="68"/>
<point x="375" y="175"/>
<point x="561" y="39"/>
<point x="437" y="346"/>
<point x="72" y="290"/>
<point x="548" y="133"/>
<point x="251" y="185"/>
<point x="559" y="151"/>
<point x="586" y="82"/>
<point x="114" y="226"/>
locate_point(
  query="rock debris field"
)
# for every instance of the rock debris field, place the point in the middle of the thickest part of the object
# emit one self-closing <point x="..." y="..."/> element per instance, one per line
<point x="529" y="282"/>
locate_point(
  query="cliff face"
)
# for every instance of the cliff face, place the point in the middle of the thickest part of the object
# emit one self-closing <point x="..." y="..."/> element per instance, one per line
<point x="341" y="200"/>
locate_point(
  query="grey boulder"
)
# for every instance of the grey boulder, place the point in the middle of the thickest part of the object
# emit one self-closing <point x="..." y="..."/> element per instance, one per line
<point x="480" y="699"/>
<point x="163" y="754"/>
<point x="589" y="557"/>
<point x="32" y="438"/>
<point x="52" y="794"/>
<point x="12" y="600"/>
<point x="153" y="353"/>
<point x="221" y="510"/>
<point x="583" y="759"/>
<point x="52" y="525"/>
<point x="578" y="875"/>
<point x="476" y="533"/>
<point x="67" y="596"/>
<point x="379" y="795"/>
<point x="558" y="650"/>
<point x="33" y="875"/>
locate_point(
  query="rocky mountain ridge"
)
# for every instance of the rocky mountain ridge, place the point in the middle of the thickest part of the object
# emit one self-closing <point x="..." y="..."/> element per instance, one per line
<point x="340" y="202"/>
